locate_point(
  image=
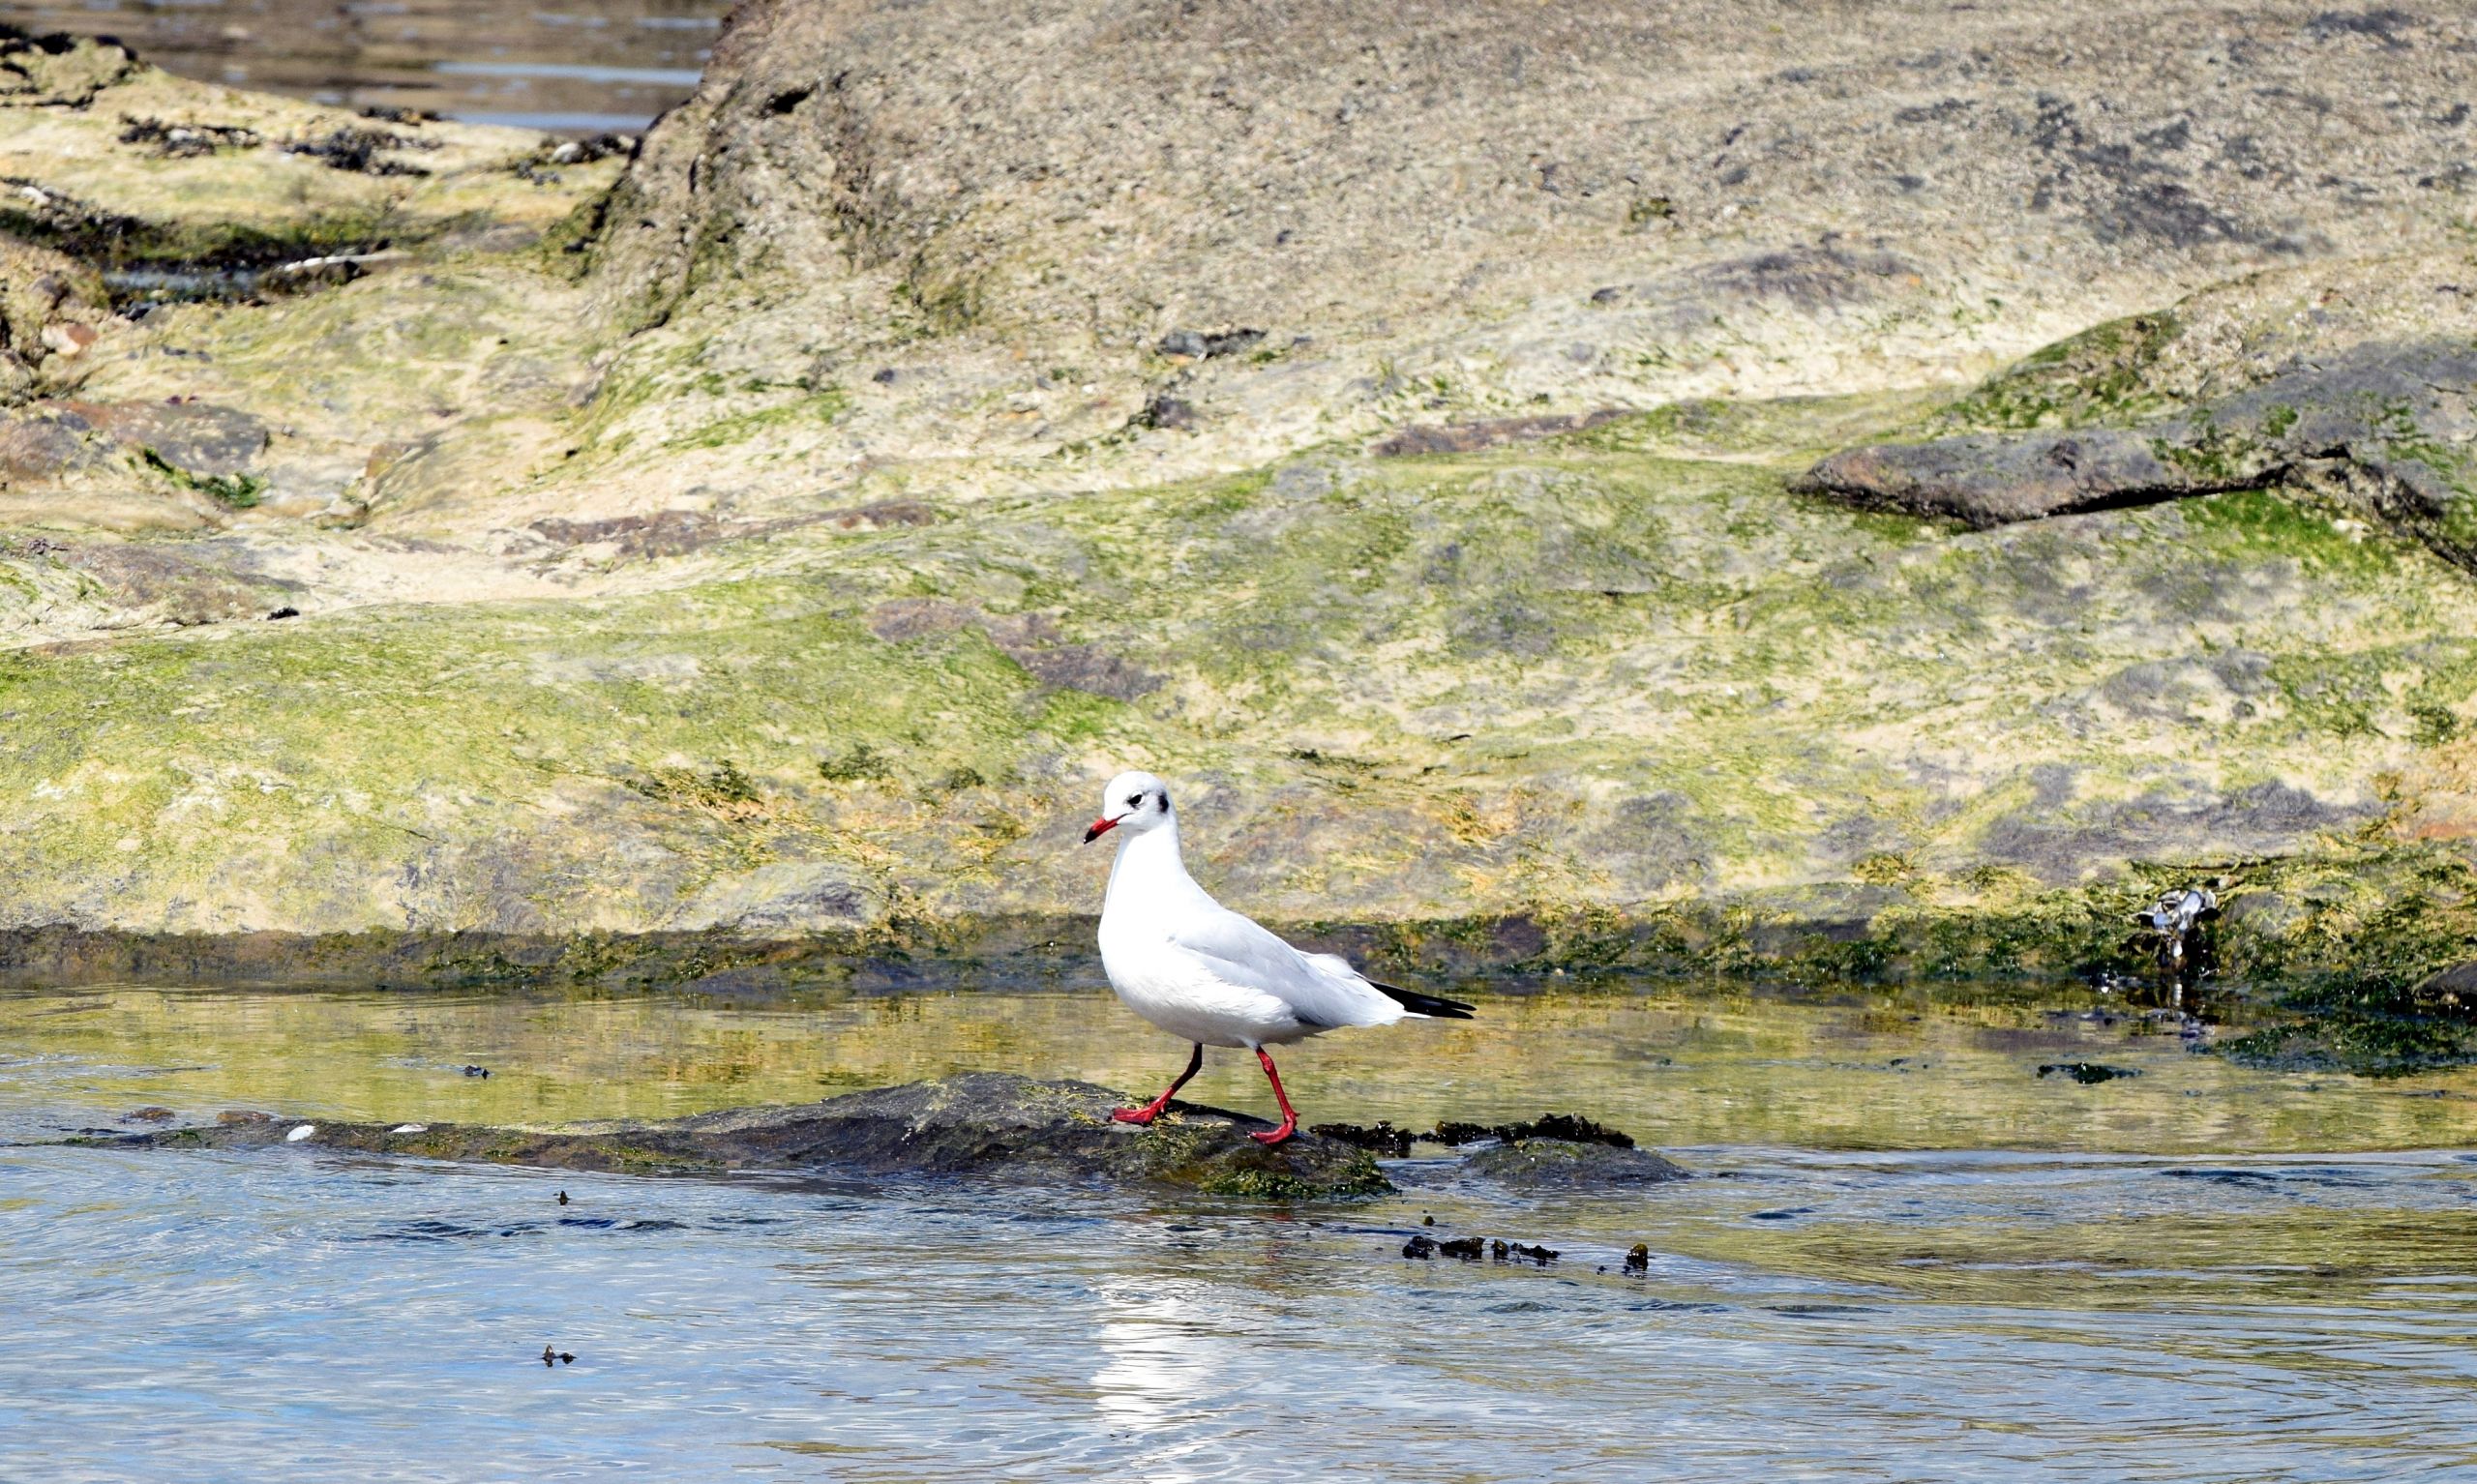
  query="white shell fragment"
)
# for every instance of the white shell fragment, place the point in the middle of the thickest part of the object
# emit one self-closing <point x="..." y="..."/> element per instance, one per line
<point x="410" y="1128"/>
<point x="301" y="1132"/>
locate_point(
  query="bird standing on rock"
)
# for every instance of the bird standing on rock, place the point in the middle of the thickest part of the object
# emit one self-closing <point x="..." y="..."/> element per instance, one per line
<point x="1203" y="972"/>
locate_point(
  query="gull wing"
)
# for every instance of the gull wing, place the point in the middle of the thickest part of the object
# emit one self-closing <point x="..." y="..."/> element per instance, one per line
<point x="1322" y="990"/>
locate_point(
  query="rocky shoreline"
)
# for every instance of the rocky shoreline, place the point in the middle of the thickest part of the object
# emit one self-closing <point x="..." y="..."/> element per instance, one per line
<point x="1897" y="536"/>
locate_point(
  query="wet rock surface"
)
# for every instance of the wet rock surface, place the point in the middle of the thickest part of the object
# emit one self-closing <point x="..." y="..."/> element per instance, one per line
<point x="1563" y="1164"/>
<point x="2087" y="1073"/>
<point x="990" y="1126"/>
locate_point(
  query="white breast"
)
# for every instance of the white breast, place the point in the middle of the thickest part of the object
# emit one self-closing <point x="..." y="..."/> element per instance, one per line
<point x="1178" y="993"/>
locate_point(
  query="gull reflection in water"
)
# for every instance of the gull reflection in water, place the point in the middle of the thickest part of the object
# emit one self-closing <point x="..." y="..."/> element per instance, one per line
<point x="1165" y="1362"/>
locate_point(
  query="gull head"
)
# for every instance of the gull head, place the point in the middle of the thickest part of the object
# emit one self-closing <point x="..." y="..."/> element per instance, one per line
<point x="1139" y="801"/>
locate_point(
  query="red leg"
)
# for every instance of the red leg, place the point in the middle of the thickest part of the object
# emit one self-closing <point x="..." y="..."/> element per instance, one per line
<point x="1153" y="1109"/>
<point x="1289" y="1114"/>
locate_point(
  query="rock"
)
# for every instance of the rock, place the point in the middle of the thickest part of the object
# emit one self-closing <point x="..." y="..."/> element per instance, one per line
<point x="1989" y="480"/>
<point x="38" y="445"/>
<point x="984" y="1125"/>
<point x="1569" y="1128"/>
<point x="1378" y="1138"/>
<point x="2086" y="1073"/>
<point x="2455" y="987"/>
<point x="121" y="167"/>
<point x="1167" y="412"/>
<point x="1469" y="437"/>
<point x="49" y="303"/>
<point x="2381" y="412"/>
<point x="1494" y="710"/>
<point x="1798" y="225"/>
<point x="192" y="436"/>
<point x="1562" y="1165"/>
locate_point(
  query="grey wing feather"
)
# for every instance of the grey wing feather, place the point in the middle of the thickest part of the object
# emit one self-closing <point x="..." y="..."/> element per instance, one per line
<point x="1321" y="989"/>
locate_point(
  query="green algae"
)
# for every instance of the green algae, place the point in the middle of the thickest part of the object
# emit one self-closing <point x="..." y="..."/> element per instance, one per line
<point x="2102" y="376"/>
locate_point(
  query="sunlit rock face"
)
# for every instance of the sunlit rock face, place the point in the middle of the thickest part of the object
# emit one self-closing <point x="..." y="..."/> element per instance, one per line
<point x="1264" y="226"/>
<point x="1381" y="422"/>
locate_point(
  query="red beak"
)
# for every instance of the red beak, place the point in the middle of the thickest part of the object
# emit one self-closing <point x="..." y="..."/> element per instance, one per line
<point x="1099" y="828"/>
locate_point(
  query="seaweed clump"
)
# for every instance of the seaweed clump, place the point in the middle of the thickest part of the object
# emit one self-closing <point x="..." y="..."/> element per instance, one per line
<point x="1570" y="1128"/>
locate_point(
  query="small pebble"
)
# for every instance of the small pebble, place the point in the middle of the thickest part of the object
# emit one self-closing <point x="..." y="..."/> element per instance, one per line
<point x="301" y="1132"/>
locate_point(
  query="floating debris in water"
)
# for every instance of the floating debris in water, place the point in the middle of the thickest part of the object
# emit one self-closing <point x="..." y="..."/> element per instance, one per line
<point x="1467" y="1248"/>
<point x="1420" y="1247"/>
<point x="1427" y="1221"/>
<point x="563" y="1198"/>
<point x="153" y="1113"/>
<point x="301" y="1132"/>
<point x="477" y="1071"/>
<point x="1501" y="1250"/>
<point x="233" y="1118"/>
<point x="550" y="1357"/>
<point x="1638" y="1258"/>
<point x="2087" y="1072"/>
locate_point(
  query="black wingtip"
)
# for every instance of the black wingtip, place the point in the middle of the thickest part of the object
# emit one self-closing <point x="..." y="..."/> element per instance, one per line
<point x="1427" y="1005"/>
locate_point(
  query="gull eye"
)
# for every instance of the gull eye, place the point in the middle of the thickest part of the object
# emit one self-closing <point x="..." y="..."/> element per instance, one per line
<point x="1135" y="801"/>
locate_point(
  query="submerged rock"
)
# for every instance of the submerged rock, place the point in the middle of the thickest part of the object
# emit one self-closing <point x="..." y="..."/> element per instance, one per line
<point x="2086" y="1073"/>
<point x="1558" y="1164"/>
<point x="989" y="1125"/>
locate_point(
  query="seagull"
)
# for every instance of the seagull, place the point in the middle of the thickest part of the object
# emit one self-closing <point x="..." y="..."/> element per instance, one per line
<point x="1209" y="976"/>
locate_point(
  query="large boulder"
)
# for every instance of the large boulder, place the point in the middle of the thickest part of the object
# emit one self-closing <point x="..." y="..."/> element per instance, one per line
<point x="1228" y="229"/>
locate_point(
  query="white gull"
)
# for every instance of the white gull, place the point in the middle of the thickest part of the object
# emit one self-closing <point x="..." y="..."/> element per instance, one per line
<point x="1209" y="975"/>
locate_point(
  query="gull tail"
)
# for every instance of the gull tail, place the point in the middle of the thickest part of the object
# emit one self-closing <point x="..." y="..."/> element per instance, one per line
<point x="1426" y="1005"/>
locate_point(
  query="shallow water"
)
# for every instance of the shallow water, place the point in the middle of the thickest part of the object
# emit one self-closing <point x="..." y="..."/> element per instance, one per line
<point x="1909" y="1258"/>
<point x="578" y="67"/>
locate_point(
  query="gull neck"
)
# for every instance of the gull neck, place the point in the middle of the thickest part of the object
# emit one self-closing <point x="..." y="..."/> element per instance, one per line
<point x="1149" y="862"/>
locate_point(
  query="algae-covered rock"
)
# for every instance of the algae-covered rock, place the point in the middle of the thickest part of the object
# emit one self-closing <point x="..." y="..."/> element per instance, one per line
<point x="753" y="579"/>
<point x="984" y="1126"/>
<point x="2378" y="408"/>
<point x="50" y="305"/>
<point x="157" y="179"/>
